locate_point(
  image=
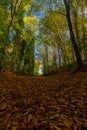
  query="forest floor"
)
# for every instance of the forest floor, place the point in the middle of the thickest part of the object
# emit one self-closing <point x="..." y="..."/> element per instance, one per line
<point x="57" y="102"/>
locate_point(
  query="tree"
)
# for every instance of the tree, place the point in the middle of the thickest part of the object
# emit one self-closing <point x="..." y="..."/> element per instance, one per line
<point x="78" y="16"/>
<point x="4" y="20"/>
<point x="17" y="8"/>
<point x="12" y="30"/>
<point x="72" y="35"/>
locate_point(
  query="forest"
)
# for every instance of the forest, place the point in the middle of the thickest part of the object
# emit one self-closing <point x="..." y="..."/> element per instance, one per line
<point x="42" y="36"/>
<point x="43" y="65"/>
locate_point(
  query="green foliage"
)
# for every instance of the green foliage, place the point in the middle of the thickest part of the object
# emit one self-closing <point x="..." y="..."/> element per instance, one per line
<point x="69" y="67"/>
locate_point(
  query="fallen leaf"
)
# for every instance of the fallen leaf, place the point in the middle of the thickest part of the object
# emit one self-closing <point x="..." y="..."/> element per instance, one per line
<point x="3" y="106"/>
<point x="35" y="121"/>
<point x="54" y="116"/>
<point x="30" y="126"/>
<point x="68" y="123"/>
<point x="30" y="117"/>
<point x="14" y="128"/>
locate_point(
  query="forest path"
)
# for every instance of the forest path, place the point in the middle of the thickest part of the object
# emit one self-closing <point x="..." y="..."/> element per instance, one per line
<point x="57" y="102"/>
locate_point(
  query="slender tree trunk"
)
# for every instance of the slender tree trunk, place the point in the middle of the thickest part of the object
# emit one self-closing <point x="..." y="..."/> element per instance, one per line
<point x="73" y="39"/>
<point x="54" y="59"/>
<point x="13" y="13"/>
<point x="11" y="66"/>
<point x="59" y="58"/>
<point x="2" y="59"/>
<point x="75" y="21"/>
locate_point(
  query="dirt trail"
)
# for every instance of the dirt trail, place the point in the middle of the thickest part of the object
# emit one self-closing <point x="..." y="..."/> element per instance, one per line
<point x="57" y="102"/>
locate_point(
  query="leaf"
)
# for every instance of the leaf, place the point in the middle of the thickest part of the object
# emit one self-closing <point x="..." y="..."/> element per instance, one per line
<point x="85" y="123"/>
<point x="30" y="117"/>
<point x="67" y="123"/>
<point x="14" y="128"/>
<point x="54" y="116"/>
<point x="30" y="126"/>
<point x="35" y="121"/>
<point x="57" y="128"/>
<point x="3" y="106"/>
<point x="54" y="126"/>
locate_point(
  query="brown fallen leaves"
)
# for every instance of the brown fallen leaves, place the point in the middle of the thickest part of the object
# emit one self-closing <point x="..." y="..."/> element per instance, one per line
<point x="57" y="102"/>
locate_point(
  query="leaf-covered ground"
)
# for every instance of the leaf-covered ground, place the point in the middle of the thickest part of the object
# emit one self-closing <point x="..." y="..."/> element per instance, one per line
<point x="57" y="102"/>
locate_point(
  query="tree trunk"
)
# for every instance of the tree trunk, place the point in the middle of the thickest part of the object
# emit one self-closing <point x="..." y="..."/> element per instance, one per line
<point x="2" y="59"/>
<point x="73" y="39"/>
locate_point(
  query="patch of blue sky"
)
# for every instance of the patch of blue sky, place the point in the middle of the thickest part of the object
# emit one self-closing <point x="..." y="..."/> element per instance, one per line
<point x="12" y="35"/>
<point x="39" y="14"/>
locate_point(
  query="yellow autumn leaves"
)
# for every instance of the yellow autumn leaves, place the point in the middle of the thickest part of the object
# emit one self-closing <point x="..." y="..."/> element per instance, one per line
<point x="28" y="20"/>
<point x="31" y="21"/>
<point x="26" y="7"/>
